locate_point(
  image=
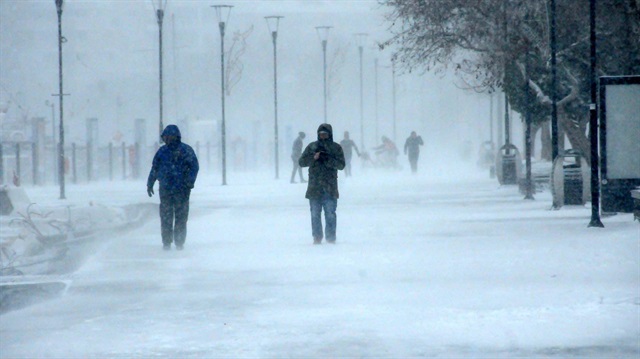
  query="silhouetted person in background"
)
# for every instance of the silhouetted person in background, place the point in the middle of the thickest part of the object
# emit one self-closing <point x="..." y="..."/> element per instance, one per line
<point x="175" y="166"/>
<point x="348" y="146"/>
<point x="324" y="158"/>
<point x="296" y="151"/>
<point x="387" y="153"/>
<point x="412" y="148"/>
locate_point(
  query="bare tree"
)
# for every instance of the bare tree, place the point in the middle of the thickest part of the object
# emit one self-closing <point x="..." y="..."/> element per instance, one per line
<point x="485" y="42"/>
<point x="235" y="67"/>
<point x="336" y="62"/>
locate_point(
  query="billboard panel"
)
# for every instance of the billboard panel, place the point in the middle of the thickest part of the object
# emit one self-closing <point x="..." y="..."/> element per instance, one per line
<point x="623" y="131"/>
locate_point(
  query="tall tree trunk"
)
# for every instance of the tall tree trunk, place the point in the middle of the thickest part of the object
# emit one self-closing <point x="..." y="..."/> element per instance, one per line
<point x="534" y="132"/>
<point x="579" y="141"/>
<point x="545" y="139"/>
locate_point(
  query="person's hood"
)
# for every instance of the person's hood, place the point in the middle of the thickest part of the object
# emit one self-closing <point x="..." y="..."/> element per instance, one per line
<point x="326" y="127"/>
<point x="172" y="130"/>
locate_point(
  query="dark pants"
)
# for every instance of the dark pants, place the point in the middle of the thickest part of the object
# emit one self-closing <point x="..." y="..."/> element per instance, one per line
<point x="174" y="213"/>
<point x="413" y="160"/>
<point x="347" y="166"/>
<point x="296" y="167"/>
<point x="329" y="204"/>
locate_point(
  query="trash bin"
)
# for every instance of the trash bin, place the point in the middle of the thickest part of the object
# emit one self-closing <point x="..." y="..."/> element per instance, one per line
<point x="573" y="185"/>
<point x="570" y="179"/>
<point x="508" y="165"/>
<point x="635" y="194"/>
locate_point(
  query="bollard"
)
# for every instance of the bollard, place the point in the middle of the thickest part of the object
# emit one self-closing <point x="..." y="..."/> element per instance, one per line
<point x="110" y="161"/>
<point x="137" y="161"/>
<point x="18" y="169"/>
<point x="89" y="162"/>
<point x="1" y="164"/>
<point x="208" y="156"/>
<point x="73" y="163"/>
<point x="34" y="162"/>
<point x="124" y="161"/>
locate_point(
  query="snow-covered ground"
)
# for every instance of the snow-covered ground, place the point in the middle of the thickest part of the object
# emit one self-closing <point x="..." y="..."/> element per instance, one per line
<point x="423" y="267"/>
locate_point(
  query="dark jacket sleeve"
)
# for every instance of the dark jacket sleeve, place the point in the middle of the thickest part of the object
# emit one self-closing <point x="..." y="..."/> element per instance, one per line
<point x="420" y="141"/>
<point x="193" y="168"/>
<point x="306" y="159"/>
<point x="406" y="145"/>
<point x="153" y="174"/>
<point x="336" y="159"/>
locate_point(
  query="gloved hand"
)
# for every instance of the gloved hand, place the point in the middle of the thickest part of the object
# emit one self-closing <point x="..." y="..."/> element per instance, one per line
<point x="323" y="156"/>
<point x="150" y="191"/>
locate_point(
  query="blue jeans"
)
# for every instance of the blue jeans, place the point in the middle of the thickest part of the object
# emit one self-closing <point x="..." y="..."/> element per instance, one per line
<point x="329" y="204"/>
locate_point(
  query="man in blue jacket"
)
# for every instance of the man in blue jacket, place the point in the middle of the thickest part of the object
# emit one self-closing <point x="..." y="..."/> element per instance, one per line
<point x="175" y="166"/>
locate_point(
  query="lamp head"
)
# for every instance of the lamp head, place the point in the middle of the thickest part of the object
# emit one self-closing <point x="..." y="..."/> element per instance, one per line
<point x="222" y="13"/>
<point x="273" y="22"/>
<point x="323" y="32"/>
<point x="59" y="5"/>
<point x="361" y="38"/>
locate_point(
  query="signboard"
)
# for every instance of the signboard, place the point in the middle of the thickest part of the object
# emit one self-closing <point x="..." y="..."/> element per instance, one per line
<point x="621" y="120"/>
<point x="619" y="140"/>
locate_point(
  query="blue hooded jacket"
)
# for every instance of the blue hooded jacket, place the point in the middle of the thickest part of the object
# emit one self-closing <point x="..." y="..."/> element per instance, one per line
<point x="175" y="165"/>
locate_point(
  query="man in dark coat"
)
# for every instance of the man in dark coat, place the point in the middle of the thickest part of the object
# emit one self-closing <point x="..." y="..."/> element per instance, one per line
<point x="296" y="151"/>
<point x="324" y="158"/>
<point x="348" y="146"/>
<point x="412" y="147"/>
<point x="175" y="166"/>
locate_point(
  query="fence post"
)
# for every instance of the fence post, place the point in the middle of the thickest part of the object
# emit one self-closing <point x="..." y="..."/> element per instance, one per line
<point x="110" y="161"/>
<point x="137" y="160"/>
<point x="124" y="161"/>
<point x="34" y="162"/>
<point x="208" y="156"/>
<point x="89" y="162"/>
<point x="1" y="164"/>
<point x="73" y="163"/>
<point x="18" y="160"/>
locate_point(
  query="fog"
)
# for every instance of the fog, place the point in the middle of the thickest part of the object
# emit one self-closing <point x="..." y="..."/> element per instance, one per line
<point x="444" y="262"/>
<point x="111" y="61"/>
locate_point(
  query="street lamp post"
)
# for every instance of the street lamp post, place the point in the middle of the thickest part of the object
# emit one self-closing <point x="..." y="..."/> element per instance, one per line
<point x="222" y="13"/>
<point x="323" y="34"/>
<point x="360" y="40"/>
<point x="593" y="124"/>
<point x="554" y="93"/>
<point x="273" y="22"/>
<point x="160" y="15"/>
<point x="375" y="64"/>
<point x="393" y="92"/>
<point x="59" y="5"/>
<point x="507" y="130"/>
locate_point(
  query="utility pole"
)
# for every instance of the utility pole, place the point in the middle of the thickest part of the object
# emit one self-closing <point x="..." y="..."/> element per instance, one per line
<point x="273" y="23"/>
<point x="59" y="5"/>
<point x="554" y="77"/>
<point x="593" y="124"/>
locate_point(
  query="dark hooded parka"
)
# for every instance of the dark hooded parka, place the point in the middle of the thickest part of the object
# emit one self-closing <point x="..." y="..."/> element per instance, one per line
<point x="175" y="165"/>
<point x="323" y="173"/>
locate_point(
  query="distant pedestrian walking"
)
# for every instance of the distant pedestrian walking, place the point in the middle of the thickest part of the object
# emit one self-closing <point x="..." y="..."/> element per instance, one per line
<point x="348" y="146"/>
<point x="324" y="158"/>
<point x="175" y="166"/>
<point x="412" y="148"/>
<point x="296" y="151"/>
